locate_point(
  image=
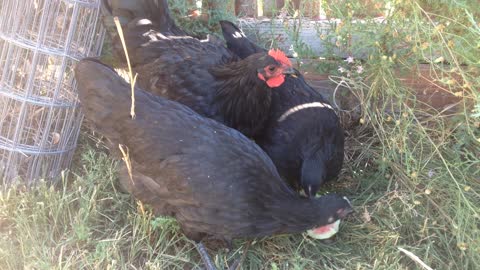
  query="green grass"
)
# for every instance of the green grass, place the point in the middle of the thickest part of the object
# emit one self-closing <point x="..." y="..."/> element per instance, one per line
<point x="87" y="223"/>
<point x="413" y="174"/>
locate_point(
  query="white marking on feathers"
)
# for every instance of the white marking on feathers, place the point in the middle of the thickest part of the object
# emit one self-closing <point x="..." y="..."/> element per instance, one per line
<point x="346" y="199"/>
<point x="303" y="106"/>
<point x="238" y="34"/>
<point x="144" y="22"/>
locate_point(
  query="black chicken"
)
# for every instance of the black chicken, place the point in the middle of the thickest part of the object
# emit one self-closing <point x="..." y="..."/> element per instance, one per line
<point x="212" y="179"/>
<point x="237" y="41"/>
<point x="303" y="134"/>
<point x="201" y="74"/>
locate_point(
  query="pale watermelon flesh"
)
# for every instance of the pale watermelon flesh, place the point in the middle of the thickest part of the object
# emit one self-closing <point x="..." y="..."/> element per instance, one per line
<point x="324" y="232"/>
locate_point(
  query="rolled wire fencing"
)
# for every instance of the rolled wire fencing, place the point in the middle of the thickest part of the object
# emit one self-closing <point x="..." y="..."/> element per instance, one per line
<point x="40" y="120"/>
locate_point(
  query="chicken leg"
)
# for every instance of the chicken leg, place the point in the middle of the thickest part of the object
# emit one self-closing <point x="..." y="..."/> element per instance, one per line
<point x="207" y="261"/>
<point x="205" y="257"/>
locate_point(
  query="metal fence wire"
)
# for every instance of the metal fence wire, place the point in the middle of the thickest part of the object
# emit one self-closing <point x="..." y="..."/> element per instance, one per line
<point x="40" y="42"/>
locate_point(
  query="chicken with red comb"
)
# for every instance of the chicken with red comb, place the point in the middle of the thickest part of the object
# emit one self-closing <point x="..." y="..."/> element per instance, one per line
<point x="202" y="74"/>
<point x="216" y="182"/>
<point x="273" y="76"/>
<point x="303" y="135"/>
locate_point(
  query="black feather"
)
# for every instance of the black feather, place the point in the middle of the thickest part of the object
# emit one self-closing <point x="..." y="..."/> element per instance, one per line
<point x="237" y="41"/>
<point x="212" y="179"/>
<point x="307" y="146"/>
<point x="201" y="74"/>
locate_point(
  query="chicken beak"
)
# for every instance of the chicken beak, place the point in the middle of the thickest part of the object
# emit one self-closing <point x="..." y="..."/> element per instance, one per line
<point x="288" y="71"/>
<point x="349" y="211"/>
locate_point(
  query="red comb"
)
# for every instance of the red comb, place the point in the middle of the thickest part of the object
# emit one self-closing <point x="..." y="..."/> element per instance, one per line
<point x="280" y="56"/>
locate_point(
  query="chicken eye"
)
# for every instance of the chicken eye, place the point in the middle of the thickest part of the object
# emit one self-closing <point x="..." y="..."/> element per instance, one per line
<point x="271" y="68"/>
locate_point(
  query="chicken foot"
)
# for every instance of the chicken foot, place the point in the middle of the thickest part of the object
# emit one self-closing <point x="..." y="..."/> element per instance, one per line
<point x="207" y="261"/>
<point x="205" y="257"/>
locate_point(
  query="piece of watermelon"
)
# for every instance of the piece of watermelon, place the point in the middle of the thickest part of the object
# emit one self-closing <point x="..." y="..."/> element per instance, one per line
<point x="324" y="232"/>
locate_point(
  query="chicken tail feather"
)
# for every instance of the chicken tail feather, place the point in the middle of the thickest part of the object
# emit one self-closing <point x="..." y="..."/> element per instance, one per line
<point x="132" y="11"/>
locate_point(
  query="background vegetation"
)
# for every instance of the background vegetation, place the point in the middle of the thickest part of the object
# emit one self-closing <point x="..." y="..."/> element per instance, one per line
<point x="412" y="170"/>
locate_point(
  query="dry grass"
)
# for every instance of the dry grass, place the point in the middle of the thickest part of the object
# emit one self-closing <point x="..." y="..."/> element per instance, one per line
<point x="412" y="174"/>
<point x="133" y="78"/>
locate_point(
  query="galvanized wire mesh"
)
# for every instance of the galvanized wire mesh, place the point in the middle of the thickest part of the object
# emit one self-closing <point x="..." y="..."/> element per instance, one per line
<point x="40" y="41"/>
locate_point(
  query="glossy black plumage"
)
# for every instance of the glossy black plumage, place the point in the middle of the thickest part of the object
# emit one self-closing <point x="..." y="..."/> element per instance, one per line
<point x="307" y="146"/>
<point x="211" y="178"/>
<point x="237" y="41"/>
<point x="201" y="74"/>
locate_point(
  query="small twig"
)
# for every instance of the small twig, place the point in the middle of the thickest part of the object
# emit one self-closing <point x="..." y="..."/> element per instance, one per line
<point x="415" y="258"/>
<point x="237" y="263"/>
<point x="126" y="159"/>
<point x="133" y="79"/>
<point x="141" y="207"/>
<point x="346" y="85"/>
